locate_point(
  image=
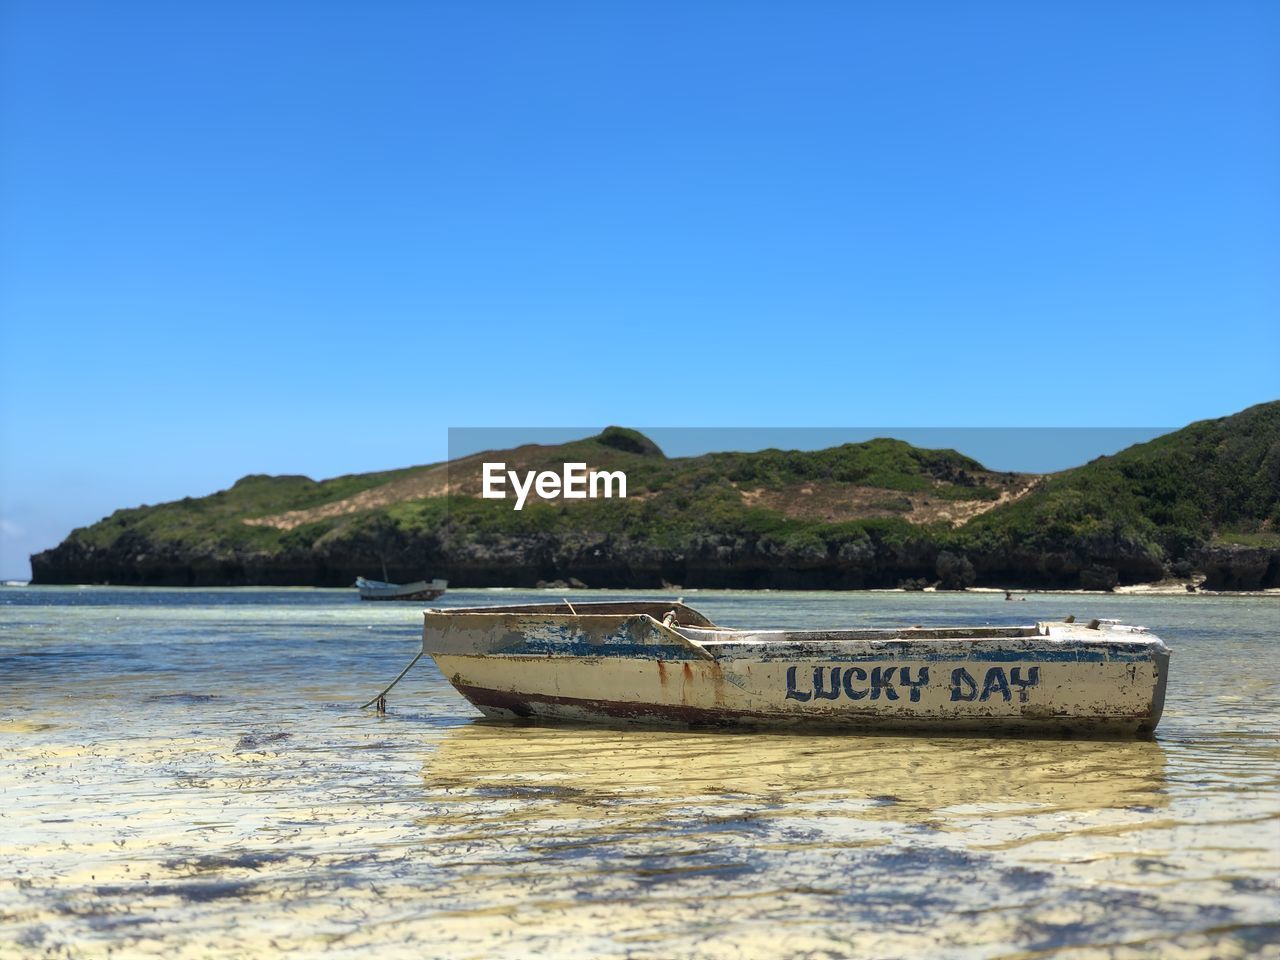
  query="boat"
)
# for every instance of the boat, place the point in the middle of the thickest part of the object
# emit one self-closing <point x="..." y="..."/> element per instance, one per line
<point x="664" y="663"/>
<point x="418" y="590"/>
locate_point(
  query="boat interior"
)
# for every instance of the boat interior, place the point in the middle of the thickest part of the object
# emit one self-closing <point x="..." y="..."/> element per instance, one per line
<point x="698" y="628"/>
<point x="707" y="637"/>
<point x="658" y="609"/>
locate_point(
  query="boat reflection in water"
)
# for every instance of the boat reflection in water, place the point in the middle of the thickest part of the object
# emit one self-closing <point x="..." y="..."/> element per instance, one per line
<point x="788" y="845"/>
<point x="872" y="776"/>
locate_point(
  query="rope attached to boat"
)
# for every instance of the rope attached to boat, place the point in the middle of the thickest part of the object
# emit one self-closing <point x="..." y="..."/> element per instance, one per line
<point x="381" y="699"/>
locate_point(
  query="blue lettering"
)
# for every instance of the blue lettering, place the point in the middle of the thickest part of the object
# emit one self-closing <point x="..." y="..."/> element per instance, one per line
<point x="792" y="692"/>
<point x="854" y="673"/>
<point x="1033" y="680"/>
<point x="995" y="682"/>
<point x="819" y="693"/>
<point x="882" y="679"/>
<point x="963" y="686"/>
<point x="915" y="685"/>
<point x="881" y="683"/>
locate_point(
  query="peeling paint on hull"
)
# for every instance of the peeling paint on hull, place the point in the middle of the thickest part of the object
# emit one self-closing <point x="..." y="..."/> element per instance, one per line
<point x="625" y="665"/>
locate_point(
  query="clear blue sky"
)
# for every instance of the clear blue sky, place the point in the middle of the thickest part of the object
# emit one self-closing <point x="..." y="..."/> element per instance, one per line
<point x="308" y="237"/>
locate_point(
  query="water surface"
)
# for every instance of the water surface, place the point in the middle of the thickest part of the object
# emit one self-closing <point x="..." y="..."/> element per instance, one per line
<point x="185" y="773"/>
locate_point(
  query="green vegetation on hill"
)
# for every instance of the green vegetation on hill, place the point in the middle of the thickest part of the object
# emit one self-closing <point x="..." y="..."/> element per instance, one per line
<point x="883" y="463"/>
<point x="218" y="519"/>
<point x="868" y="514"/>
<point x="1154" y="504"/>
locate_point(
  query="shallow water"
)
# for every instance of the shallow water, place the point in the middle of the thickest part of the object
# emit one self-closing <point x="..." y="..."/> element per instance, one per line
<point x="185" y="773"/>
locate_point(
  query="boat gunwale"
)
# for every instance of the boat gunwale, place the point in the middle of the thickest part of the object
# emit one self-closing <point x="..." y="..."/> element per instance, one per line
<point x="876" y="636"/>
<point x="709" y="634"/>
<point x="587" y="609"/>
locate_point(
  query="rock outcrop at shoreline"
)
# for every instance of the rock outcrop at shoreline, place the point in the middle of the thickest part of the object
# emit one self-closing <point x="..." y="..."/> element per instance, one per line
<point x="1236" y="567"/>
<point x="728" y="562"/>
<point x="1204" y="500"/>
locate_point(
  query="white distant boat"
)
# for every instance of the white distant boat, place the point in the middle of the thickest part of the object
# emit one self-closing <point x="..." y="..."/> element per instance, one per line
<point x="647" y="662"/>
<point x="418" y="590"/>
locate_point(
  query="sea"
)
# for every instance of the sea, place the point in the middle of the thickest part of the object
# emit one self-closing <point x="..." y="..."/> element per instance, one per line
<point x="189" y="774"/>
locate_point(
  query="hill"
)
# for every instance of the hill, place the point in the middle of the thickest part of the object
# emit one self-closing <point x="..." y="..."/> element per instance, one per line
<point x="879" y="513"/>
<point x="1205" y="498"/>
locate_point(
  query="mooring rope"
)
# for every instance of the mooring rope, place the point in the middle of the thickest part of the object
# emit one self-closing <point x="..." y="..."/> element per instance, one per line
<point x="381" y="699"/>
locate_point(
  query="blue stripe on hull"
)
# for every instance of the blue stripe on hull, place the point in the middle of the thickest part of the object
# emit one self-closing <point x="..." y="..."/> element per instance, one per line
<point x="625" y="650"/>
<point x="979" y="654"/>
<point x="670" y="652"/>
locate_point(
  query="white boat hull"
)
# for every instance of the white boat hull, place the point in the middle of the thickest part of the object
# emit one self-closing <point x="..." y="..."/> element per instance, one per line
<point x="1055" y="679"/>
<point x="418" y="590"/>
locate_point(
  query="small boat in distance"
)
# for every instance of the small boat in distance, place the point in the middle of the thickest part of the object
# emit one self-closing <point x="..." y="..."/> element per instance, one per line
<point x="665" y="663"/>
<point x="418" y="590"/>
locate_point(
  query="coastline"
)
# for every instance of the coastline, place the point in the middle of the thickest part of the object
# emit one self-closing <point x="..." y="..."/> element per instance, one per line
<point x="1163" y="588"/>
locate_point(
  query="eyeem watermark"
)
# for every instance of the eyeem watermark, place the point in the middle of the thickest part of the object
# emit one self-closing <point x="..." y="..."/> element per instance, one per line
<point x="574" y="482"/>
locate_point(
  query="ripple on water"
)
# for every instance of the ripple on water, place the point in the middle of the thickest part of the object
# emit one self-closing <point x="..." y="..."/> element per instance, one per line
<point x="198" y="783"/>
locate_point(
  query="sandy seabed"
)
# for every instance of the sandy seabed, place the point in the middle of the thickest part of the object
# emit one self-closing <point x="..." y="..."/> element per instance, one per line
<point x="192" y="779"/>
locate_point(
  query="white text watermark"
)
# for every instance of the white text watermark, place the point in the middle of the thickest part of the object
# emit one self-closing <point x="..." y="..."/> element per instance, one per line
<point x="574" y="482"/>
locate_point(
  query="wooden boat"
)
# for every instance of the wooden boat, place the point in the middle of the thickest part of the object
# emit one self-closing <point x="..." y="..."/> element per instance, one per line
<point x="418" y="590"/>
<point x="665" y="663"/>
